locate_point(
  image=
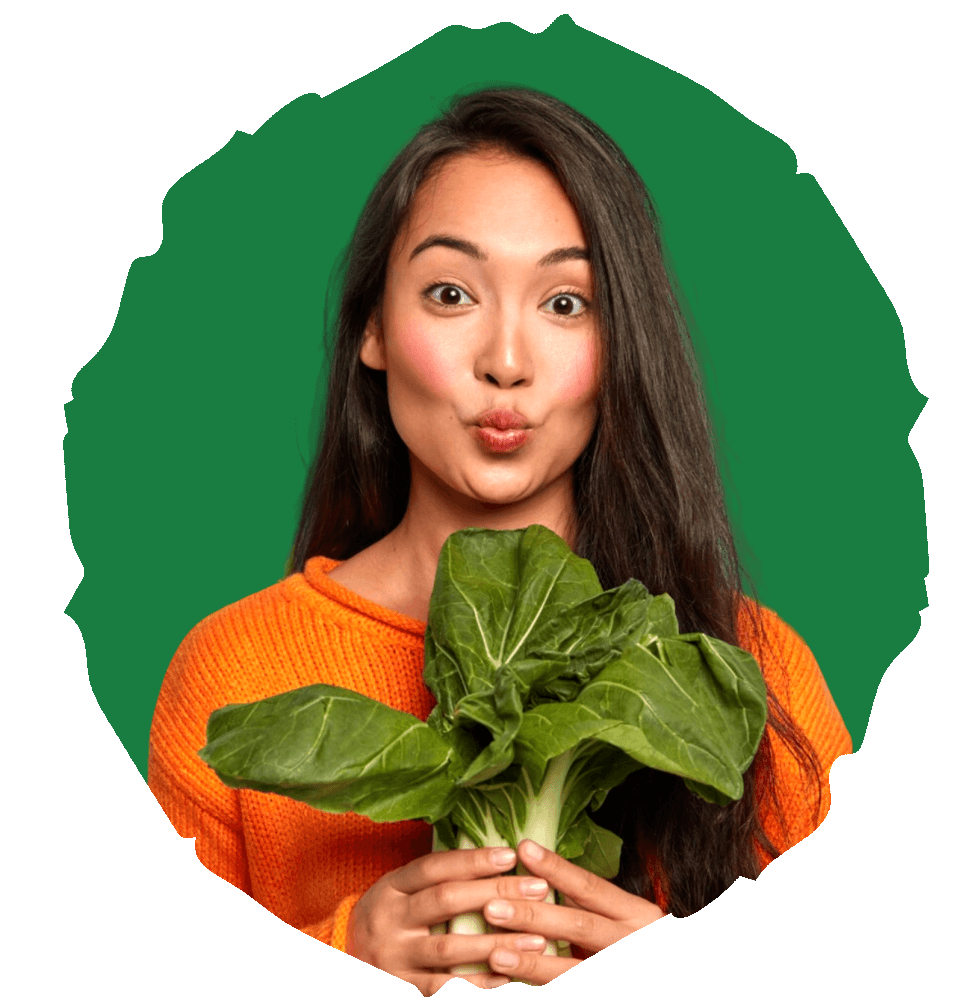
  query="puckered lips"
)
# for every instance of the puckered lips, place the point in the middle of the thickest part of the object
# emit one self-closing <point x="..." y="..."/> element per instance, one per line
<point x="502" y="431"/>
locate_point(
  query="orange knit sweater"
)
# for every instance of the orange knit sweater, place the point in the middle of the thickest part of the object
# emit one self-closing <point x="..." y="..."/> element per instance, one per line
<point x="308" y="867"/>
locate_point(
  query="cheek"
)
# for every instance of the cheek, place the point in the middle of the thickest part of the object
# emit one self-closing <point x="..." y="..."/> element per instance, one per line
<point x="577" y="379"/>
<point x="431" y="360"/>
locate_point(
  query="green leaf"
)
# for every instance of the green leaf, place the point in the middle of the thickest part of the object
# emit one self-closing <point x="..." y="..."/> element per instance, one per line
<point x="509" y="803"/>
<point x="590" y="633"/>
<point x="689" y="705"/>
<point x="597" y="767"/>
<point x="493" y="591"/>
<point x="474" y="817"/>
<point x="336" y="750"/>
<point x="549" y="691"/>
<point x="599" y="851"/>
<point x="677" y="716"/>
<point x="550" y="729"/>
<point x="445" y="835"/>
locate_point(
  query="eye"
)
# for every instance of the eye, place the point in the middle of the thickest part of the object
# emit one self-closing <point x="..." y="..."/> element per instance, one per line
<point x="453" y="292"/>
<point x="448" y="296"/>
<point x="565" y="300"/>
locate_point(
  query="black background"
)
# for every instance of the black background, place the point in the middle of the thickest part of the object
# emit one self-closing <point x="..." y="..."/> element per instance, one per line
<point x="131" y="123"/>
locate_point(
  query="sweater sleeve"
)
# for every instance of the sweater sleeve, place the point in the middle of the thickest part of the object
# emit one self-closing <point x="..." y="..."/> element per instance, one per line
<point x="195" y="800"/>
<point x="798" y="684"/>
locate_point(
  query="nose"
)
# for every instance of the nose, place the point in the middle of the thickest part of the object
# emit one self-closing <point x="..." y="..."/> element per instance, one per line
<point x="504" y="383"/>
<point x="504" y="359"/>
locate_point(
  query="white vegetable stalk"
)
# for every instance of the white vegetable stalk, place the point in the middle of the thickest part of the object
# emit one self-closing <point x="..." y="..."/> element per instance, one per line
<point x="543" y="817"/>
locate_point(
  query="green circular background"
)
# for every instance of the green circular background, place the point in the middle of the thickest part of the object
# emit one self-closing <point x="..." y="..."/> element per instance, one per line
<point x="190" y="431"/>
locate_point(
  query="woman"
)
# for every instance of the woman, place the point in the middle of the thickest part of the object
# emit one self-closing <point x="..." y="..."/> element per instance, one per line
<point x="508" y="351"/>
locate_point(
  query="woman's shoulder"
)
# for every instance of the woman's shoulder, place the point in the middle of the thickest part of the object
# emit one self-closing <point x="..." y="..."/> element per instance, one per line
<point x="786" y="660"/>
<point x="222" y="649"/>
<point x="782" y="654"/>
<point x="236" y="622"/>
<point x="794" y="677"/>
<point x="304" y="629"/>
<point x="252" y="606"/>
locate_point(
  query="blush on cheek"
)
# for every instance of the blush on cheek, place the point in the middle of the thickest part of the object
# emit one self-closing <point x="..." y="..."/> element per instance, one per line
<point x="578" y="374"/>
<point x="429" y="358"/>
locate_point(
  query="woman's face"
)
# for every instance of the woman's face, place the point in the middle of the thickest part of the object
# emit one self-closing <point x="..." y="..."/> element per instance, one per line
<point x="486" y="331"/>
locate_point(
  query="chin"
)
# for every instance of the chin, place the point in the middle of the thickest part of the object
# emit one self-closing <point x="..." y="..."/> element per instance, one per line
<point x="498" y="495"/>
<point x="500" y="500"/>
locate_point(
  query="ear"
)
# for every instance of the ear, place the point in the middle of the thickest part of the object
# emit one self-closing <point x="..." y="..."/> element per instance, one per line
<point x="373" y="346"/>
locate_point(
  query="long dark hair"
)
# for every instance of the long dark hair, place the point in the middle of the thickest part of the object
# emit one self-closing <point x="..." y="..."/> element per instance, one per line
<point x="648" y="499"/>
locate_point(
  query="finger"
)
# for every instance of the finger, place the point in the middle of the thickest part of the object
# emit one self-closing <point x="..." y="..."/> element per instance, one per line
<point x="529" y="967"/>
<point x="554" y="922"/>
<point x="450" y="866"/>
<point x="443" y="951"/>
<point x="449" y="899"/>
<point x="492" y="981"/>
<point x="576" y="884"/>
<point x="484" y="980"/>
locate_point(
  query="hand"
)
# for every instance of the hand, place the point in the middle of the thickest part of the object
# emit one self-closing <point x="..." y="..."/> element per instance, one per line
<point x="595" y="914"/>
<point x="389" y="926"/>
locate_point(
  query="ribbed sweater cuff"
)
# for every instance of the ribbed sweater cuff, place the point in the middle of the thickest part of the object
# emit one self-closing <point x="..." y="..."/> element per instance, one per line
<point x="338" y="937"/>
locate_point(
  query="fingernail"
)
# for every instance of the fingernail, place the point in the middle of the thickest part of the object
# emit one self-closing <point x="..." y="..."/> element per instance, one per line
<point x="505" y="959"/>
<point x="534" y="887"/>
<point x="529" y="942"/>
<point x="499" y="909"/>
<point x="504" y="857"/>
<point x="494" y="981"/>
<point x="534" y="851"/>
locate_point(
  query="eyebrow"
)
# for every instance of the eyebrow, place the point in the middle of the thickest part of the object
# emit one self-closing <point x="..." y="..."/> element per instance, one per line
<point x="558" y="256"/>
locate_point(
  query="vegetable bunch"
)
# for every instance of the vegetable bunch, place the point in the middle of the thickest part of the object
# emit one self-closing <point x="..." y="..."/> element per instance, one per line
<point x="549" y="691"/>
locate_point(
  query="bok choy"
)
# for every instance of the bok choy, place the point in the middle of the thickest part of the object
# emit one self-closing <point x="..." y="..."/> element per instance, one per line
<point x="549" y="693"/>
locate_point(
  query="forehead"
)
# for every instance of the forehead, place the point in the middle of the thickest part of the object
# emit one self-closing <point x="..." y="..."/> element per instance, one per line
<point x="493" y="198"/>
